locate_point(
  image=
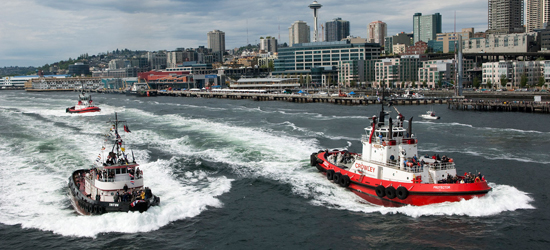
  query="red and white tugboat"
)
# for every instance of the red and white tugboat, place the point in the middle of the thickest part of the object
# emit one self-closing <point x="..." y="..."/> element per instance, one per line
<point x="112" y="185"/>
<point x="389" y="173"/>
<point x="84" y="105"/>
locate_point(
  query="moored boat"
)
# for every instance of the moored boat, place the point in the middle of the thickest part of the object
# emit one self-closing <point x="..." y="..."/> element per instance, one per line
<point x="112" y="185"/>
<point x="388" y="172"/>
<point x="84" y="105"/>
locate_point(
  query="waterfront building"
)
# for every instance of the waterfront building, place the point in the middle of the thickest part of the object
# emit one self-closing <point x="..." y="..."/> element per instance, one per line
<point x="351" y="72"/>
<point x="398" y="72"/>
<point x="268" y="44"/>
<point x="265" y="83"/>
<point x="306" y="56"/>
<point x="376" y="32"/>
<point x="298" y="33"/>
<point x="504" y="43"/>
<point x="513" y="72"/>
<point x="505" y="16"/>
<point x="19" y="81"/>
<point x="63" y="83"/>
<point x="425" y="28"/>
<point x="79" y="69"/>
<point x="336" y="30"/>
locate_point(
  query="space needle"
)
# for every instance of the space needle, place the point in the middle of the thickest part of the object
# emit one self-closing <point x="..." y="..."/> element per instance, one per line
<point x="315" y="6"/>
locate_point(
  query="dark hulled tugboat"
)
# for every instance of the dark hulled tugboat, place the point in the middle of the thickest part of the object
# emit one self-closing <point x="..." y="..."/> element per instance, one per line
<point x="389" y="173"/>
<point x="84" y="105"/>
<point x="112" y="185"/>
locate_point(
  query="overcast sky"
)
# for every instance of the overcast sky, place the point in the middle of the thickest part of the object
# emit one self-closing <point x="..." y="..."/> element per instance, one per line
<point x="36" y="32"/>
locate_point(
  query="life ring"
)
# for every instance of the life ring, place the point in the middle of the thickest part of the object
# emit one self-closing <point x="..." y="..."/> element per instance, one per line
<point x="384" y="143"/>
<point x="330" y="174"/>
<point x="450" y="159"/>
<point x="409" y="163"/>
<point x="390" y="192"/>
<point x="336" y="178"/>
<point x="344" y="181"/>
<point x="380" y="191"/>
<point x="477" y="179"/>
<point x="402" y="192"/>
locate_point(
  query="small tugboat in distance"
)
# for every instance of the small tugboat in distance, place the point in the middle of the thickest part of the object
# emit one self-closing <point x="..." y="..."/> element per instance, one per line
<point x="84" y="105"/>
<point x="389" y="173"/>
<point x="113" y="185"/>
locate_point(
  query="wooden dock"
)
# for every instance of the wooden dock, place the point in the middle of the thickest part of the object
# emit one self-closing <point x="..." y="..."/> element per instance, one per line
<point x="503" y="106"/>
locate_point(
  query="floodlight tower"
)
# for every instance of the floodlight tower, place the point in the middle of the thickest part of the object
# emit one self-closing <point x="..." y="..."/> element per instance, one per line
<point x="315" y="6"/>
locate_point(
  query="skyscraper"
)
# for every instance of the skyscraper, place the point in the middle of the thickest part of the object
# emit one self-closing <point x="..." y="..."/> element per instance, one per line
<point x="425" y="28"/>
<point x="505" y="16"/>
<point x="216" y="41"/>
<point x="538" y="14"/>
<point x="336" y="30"/>
<point x="298" y="32"/>
<point x="376" y="31"/>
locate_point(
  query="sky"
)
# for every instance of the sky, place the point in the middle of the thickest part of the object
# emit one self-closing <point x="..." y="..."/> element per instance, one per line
<point x="37" y="32"/>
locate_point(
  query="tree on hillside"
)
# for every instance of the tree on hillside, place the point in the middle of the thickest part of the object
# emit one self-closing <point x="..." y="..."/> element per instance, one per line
<point x="489" y="85"/>
<point x="541" y="81"/>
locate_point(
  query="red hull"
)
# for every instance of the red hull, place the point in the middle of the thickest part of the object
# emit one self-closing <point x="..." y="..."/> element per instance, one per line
<point x="84" y="110"/>
<point x="417" y="194"/>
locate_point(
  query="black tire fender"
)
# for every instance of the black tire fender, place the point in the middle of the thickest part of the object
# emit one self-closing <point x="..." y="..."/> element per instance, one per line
<point x="330" y="174"/>
<point x="336" y="178"/>
<point x="344" y="181"/>
<point x="380" y="191"/>
<point x="390" y="192"/>
<point x="402" y="193"/>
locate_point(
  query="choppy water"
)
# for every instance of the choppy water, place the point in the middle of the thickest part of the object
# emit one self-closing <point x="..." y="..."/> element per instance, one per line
<point x="235" y="174"/>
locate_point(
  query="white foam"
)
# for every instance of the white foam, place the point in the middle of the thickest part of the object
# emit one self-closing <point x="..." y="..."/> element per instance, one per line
<point x="34" y="183"/>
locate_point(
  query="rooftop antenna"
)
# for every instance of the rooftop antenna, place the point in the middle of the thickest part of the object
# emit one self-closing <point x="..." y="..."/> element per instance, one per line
<point x="247" y="32"/>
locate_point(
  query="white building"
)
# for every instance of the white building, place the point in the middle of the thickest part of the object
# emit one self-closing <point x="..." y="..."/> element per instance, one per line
<point x="216" y="41"/>
<point x="298" y="32"/>
<point x="174" y="58"/>
<point x="513" y="71"/>
<point x="19" y="81"/>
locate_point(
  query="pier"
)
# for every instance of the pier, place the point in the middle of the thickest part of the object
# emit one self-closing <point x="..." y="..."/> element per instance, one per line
<point x="304" y="98"/>
<point x="503" y="106"/>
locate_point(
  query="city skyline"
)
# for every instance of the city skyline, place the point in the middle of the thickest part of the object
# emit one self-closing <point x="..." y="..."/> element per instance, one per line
<point x="34" y="33"/>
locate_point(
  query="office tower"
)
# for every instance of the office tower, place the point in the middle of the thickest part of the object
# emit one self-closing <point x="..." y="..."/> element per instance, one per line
<point x="336" y="30"/>
<point x="268" y="44"/>
<point x="425" y="28"/>
<point x="216" y="41"/>
<point x="298" y="32"/>
<point x="376" y="31"/>
<point x="537" y="14"/>
<point x="505" y="16"/>
<point x="315" y="6"/>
